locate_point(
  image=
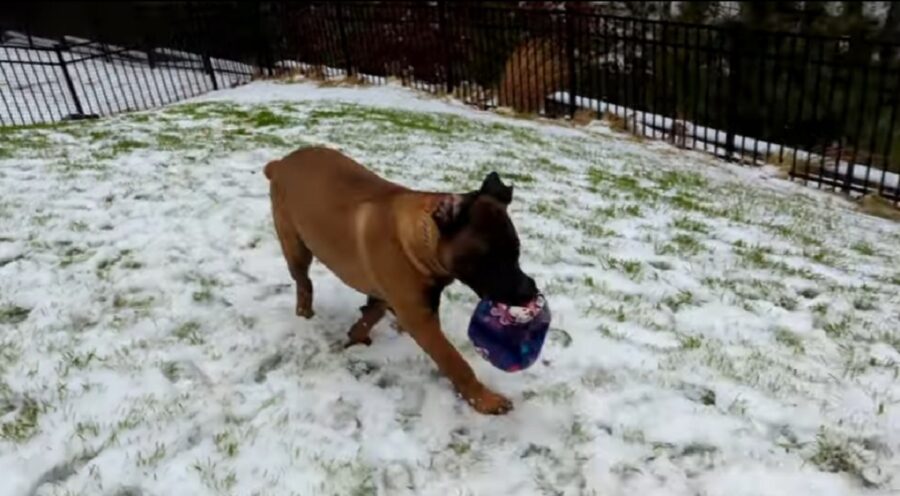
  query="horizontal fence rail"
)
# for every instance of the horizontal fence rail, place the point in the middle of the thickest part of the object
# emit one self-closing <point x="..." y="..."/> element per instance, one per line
<point x="823" y="109"/>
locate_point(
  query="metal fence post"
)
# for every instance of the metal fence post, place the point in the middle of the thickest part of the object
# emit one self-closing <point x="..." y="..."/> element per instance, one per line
<point x="734" y="74"/>
<point x="69" y="84"/>
<point x="264" y="50"/>
<point x="207" y="65"/>
<point x="445" y="41"/>
<point x="343" y="34"/>
<point x="570" y="55"/>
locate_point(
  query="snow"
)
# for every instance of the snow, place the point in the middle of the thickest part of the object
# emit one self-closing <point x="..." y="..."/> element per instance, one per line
<point x="716" y="330"/>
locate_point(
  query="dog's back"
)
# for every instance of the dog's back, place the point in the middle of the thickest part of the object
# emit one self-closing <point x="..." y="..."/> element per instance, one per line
<point x="325" y="198"/>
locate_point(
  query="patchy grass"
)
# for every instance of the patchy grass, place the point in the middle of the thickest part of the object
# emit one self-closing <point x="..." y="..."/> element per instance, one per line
<point x="124" y="301"/>
<point x="189" y="332"/>
<point x="864" y="248"/>
<point x="226" y="444"/>
<point x="23" y="424"/>
<point x="789" y="339"/>
<point x="13" y="314"/>
<point x="688" y="224"/>
<point x="833" y="454"/>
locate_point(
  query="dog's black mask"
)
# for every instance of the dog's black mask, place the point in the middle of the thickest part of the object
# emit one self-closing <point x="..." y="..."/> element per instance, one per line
<point x="482" y="244"/>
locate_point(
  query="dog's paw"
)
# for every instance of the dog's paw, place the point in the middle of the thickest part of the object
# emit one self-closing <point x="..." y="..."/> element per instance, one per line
<point x="355" y="341"/>
<point x="305" y="312"/>
<point x="490" y="403"/>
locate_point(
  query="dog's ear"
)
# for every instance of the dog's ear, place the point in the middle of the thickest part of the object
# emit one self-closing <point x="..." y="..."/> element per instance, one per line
<point x="494" y="187"/>
<point x="451" y="212"/>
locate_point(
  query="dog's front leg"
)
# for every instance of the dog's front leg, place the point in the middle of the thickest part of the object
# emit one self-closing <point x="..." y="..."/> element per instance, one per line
<point x="424" y="326"/>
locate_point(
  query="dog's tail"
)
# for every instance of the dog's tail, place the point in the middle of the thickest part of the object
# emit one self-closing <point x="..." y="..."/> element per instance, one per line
<point x="269" y="169"/>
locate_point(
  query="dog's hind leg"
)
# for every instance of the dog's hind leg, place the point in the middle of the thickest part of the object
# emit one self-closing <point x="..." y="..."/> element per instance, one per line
<point x="298" y="259"/>
<point x="372" y="312"/>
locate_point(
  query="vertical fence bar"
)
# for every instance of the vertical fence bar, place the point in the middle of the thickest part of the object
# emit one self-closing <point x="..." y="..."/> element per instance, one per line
<point x="657" y="81"/>
<point x="208" y="67"/>
<point x="888" y="142"/>
<point x="801" y="99"/>
<point x="882" y="74"/>
<point x="829" y="103"/>
<point x="25" y="103"/>
<point x="604" y="92"/>
<point x="641" y="87"/>
<point x="815" y="108"/>
<point x="707" y="86"/>
<point x="447" y="46"/>
<point x="35" y="65"/>
<point x="844" y="117"/>
<point x="695" y="93"/>
<point x="773" y="105"/>
<point x="625" y="78"/>
<point x="672" y="62"/>
<point x="635" y="108"/>
<point x="570" y="55"/>
<point x="686" y="90"/>
<point x="152" y="72"/>
<point x="664" y="60"/>
<point x="785" y="114"/>
<point x="477" y="73"/>
<point x="763" y="48"/>
<point x="6" y="105"/>
<point x="510" y="28"/>
<point x="69" y="84"/>
<point x="587" y="44"/>
<point x="345" y="48"/>
<point x="524" y="54"/>
<point x="15" y="101"/>
<point x="851" y="164"/>
<point x="734" y="66"/>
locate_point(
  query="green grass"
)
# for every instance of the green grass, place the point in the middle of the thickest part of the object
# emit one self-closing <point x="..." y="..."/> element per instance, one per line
<point x="789" y="339"/>
<point x="265" y="117"/>
<point x="226" y="444"/>
<point x="152" y="458"/>
<point x="189" y="332"/>
<point x="546" y="208"/>
<point x="681" y="244"/>
<point x="87" y="430"/>
<point x="838" y="328"/>
<point x="24" y="424"/>
<point x="105" y="266"/>
<point x="122" y="302"/>
<point x="757" y="257"/>
<point x="72" y="360"/>
<point x="681" y="180"/>
<point x="688" y="224"/>
<point x="691" y="342"/>
<point x="436" y="125"/>
<point x="13" y="314"/>
<point x="864" y="248"/>
<point x="833" y="454"/>
<point x="170" y="370"/>
<point x="675" y="302"/>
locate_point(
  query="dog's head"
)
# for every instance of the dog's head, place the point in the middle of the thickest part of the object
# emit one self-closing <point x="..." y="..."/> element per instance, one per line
<point x="479" y="244"/>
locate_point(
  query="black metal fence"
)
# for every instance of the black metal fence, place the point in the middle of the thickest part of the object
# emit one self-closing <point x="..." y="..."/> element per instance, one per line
<point x="823" y="109"/>
<point x="46" y="79"/>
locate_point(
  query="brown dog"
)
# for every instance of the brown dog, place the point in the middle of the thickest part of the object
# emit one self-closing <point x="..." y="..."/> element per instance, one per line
<point x="400" y="247"/>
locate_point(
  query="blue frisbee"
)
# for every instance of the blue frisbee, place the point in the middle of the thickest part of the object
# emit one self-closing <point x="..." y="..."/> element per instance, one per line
<point x="510" y="338"/>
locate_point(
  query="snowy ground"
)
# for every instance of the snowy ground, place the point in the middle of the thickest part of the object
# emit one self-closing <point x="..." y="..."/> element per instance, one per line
<point x="717" y="331"/>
